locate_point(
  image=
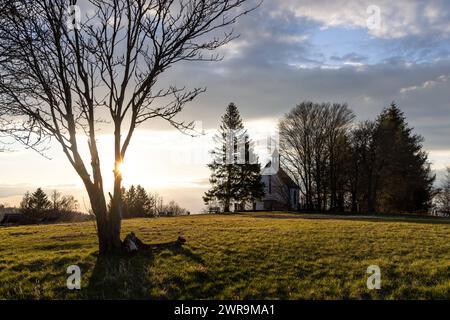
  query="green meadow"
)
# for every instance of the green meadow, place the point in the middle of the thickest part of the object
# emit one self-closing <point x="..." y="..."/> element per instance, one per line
<point x="244" y="256"/>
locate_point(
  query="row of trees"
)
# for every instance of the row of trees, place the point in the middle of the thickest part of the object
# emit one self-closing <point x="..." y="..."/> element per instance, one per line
<point x="139" y="203"/>
<point x="38" y="204"/>
<point x="235" y="171"/>
<point x="374" y="166"/>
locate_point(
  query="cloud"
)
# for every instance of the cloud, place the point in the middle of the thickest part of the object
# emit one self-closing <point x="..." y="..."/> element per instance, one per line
<point x="285" y="56"/>
<point x="270" y="90"/>
<point x="426" y="84"/>
<point x="350" y="57"/>
<point x="398" y="18"/>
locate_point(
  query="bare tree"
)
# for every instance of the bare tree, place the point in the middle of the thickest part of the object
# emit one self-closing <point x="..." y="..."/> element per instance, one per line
<point x="296" y="147"/>
<point x="63" y="203"/>
<point x="61" y="79"/>
<point x="443" y="195"/>
<point x="311" y="140"/>
<point x="338" y="119"/>
<point x="361" y="163"/>
<point x="3" y="125"/>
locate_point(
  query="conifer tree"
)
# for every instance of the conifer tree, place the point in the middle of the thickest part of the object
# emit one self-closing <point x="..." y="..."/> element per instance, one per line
<point x="35" y="205"/>
<point x="251" y="186"/>
<point x="137" y="202"/>
<point x="235" y="172"/>
<point x="39" y="201"/>
<point x="403" y="175"/>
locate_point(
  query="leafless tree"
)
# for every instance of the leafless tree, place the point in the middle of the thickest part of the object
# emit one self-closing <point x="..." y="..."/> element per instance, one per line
<point x="3" y="124"/>
<point x="338" y="119"/>
<point x="63" y="203"/>
<point x="296" y="147"/>
<point x="361" y="163"/>
<point x="61" y="79"/>
<point x="443" y="195"/>
<point x="311" y="136"/>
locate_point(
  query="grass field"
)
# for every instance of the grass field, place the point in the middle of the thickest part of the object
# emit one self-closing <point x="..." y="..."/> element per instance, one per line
<point x="250" y="256"/>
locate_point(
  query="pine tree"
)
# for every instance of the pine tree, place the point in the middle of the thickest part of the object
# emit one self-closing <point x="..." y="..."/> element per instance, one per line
<point x="143" y="205"/>
<point x="129" y="197"/>
<point x="403" y="181"/>
<point x="235" y="171"/>
<point x="35" y="205"/>
<point x="251" y="186"/>
<point x="137" y="202"/>
<point x="39" y="201"/>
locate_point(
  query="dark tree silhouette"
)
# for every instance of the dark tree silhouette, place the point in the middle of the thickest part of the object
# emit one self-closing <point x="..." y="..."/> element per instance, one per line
<point x="362" y="166"/>
<point x="235" y="171"/>
<point x="312" y="142"/>
<point x="63" y="203"/>
<point x="377" y="166"/>
<point x="250" y="183"/>
<point x="61" y="82"/>
<point x="138" y="203"/>
<point x="403" y="180"/>
<point x="35" y="205"/>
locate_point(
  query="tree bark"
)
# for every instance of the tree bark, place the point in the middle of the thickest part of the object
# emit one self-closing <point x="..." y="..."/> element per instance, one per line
<point x="107" y="235"/>
<point x="226" y="207"/>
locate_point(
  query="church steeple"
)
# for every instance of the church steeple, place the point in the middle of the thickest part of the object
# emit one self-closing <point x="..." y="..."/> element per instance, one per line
<point x="273" y="165"/>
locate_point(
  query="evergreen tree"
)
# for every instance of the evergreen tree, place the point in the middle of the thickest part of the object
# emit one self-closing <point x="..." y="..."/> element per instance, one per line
<point x="403" y="181"/>
<point x="251" y="186"/>
<point x="143" y="206"/>
<point x="35" y="205"/>
<point x="39" y="201"/>
<point x="129" y="197"/>
<point x="137" y="202"/>
<point x="235" y="171"/>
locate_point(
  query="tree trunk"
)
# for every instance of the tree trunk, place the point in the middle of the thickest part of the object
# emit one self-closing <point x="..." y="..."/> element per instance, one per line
<point x="109" y="221"/>
<point x="108" y="230"/>
<point x="354" y="201"/>
<point x="115" y="215"/>
<point x="372" y="197"/>
<point x="226" y="207"/>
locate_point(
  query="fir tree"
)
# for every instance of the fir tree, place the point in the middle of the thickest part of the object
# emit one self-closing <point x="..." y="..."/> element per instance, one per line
<point x="235" y="171"/>
<point x="35" y="205"/>
<point x="251" y="186"/>
<point x="137" y="202"/>
<point x="39" y="201"/>
<point x="143" y="206"/>
<point x="404" y="181"/>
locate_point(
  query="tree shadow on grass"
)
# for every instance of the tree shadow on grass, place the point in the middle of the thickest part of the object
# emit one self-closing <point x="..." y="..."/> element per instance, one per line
<point x="128" y="276"/>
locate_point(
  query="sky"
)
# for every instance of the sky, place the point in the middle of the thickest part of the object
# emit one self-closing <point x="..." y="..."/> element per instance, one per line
<point x="364" y="53"/>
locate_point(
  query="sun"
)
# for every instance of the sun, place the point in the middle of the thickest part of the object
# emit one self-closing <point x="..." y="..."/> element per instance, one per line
<point x="129" y="173"/>
<point x="121" y="168"/>
<point x="134" y="172"/>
